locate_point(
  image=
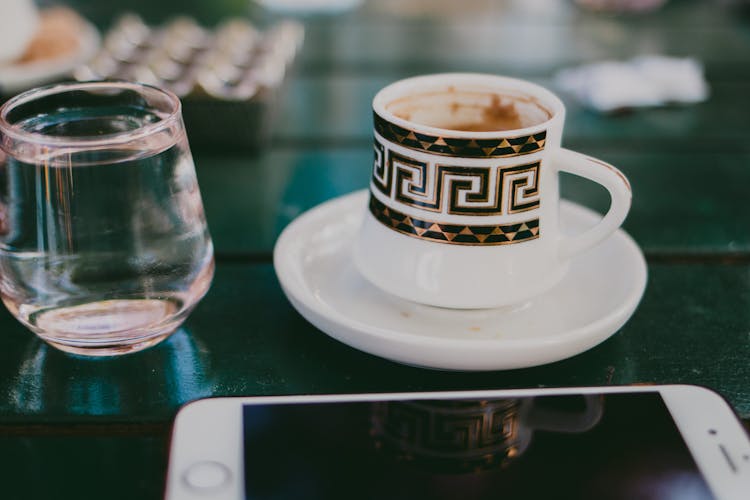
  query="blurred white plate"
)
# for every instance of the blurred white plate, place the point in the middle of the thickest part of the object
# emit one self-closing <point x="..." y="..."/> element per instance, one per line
<point x="591" y="303"/>
<point x="17" y="77"/>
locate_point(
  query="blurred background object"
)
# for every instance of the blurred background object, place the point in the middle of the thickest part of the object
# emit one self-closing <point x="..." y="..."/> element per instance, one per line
<point x="235" y="61"/>
<point x="642" y="81"/>
<point x="309" y="6"/>
<point x="41" y="47"/>
<point x="621" y="5"/>
<point x="18" y="25"/>
<point x="229" y="77"/>
<point x="229" y="71"/>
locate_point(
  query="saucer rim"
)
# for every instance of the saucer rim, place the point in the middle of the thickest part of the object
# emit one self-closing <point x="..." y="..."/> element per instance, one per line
<point x="291" y="278"/>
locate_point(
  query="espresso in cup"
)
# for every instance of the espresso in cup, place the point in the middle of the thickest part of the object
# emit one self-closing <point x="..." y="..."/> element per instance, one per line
<point x="464" y="197"/>
<point x="470" y="111"/>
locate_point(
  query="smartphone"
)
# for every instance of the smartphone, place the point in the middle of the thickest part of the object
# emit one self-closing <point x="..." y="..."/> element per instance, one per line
<point x="642" y="442"/>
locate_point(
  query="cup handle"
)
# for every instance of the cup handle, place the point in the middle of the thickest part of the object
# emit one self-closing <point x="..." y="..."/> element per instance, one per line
<point x="619" y="191"/>
<point x="544" y="419"/>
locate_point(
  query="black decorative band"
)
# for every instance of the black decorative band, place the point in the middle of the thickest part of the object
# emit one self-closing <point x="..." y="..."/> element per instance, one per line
<point x="457" y="234"/>
<point x="460" y="147"/>
<point x="456" y="190"/>
<point x="449" y="436"/>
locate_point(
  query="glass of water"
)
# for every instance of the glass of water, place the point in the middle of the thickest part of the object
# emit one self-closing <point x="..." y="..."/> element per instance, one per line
<point x="104" y="247"/>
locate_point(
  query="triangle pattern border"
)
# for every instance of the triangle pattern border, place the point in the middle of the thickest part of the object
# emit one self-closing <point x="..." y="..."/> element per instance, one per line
<point x="453" y="234"/>
<point x="504" y="147"/>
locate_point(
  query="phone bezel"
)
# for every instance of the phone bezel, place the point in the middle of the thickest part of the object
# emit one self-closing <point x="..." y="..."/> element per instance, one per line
<point x="696" y="411"/>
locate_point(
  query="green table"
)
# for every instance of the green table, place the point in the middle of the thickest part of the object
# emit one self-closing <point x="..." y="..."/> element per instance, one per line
<point x="74" y="428"/>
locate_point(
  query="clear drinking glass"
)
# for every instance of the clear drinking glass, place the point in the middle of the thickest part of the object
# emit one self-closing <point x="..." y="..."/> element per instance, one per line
<point x="104" y="247"/>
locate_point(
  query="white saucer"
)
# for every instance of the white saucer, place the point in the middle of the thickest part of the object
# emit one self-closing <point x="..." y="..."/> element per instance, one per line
<point x="596" y="297"/>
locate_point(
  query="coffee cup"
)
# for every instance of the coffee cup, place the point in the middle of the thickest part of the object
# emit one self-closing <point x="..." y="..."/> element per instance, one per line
<point x="464" y="194"/>
<point x="454" y="436"/>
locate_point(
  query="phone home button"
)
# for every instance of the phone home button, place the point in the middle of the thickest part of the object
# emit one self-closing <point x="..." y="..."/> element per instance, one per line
<point x="207" y="476"/>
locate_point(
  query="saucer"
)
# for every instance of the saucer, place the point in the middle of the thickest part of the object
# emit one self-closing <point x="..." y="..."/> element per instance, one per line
<point x="601" y="290"/>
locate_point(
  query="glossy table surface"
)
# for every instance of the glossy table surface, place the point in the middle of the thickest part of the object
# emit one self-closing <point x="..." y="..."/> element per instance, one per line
<point x="71" y="427"/>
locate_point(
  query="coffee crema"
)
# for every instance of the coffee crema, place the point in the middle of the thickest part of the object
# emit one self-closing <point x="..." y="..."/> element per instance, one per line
<point x="470" y="110"/>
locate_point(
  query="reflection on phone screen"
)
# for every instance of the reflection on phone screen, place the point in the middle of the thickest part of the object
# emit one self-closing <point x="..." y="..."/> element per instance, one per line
<point x="614" y="446"/>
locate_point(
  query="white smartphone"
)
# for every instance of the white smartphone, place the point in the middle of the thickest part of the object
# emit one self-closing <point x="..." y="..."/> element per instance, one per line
<point x="642" y="442"/>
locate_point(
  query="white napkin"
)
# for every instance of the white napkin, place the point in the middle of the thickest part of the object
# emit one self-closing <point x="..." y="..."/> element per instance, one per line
<point x="643" y="81"/>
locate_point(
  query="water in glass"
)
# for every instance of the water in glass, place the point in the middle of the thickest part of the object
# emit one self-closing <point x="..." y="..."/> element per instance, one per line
<point x="104" y="247"/>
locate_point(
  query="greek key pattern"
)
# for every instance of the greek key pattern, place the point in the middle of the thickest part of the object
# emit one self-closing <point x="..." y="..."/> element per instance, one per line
<point x="456" y="234"/>
<point x="463" y="147"/>
<point x="454" y="189"/>
<point x="438" y="433"/>
<point x="381" y="176"/>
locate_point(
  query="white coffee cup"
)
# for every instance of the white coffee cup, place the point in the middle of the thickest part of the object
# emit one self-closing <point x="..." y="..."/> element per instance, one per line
<point x="463" y="217"/>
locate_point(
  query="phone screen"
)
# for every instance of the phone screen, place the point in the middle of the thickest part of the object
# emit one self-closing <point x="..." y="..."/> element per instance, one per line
<point x="604" y="446"/>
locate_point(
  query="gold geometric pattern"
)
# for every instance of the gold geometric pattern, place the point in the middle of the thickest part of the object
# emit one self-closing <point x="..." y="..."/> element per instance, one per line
<point x="456" y="234"/>
<point x="462" y="147"/>
<point x="452" y="436"/>
<point x="381" y="171"/>
<point x="458" y="190"/>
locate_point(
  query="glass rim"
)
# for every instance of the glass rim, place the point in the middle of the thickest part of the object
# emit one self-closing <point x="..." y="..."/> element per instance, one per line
<point x="17" y="133"/>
